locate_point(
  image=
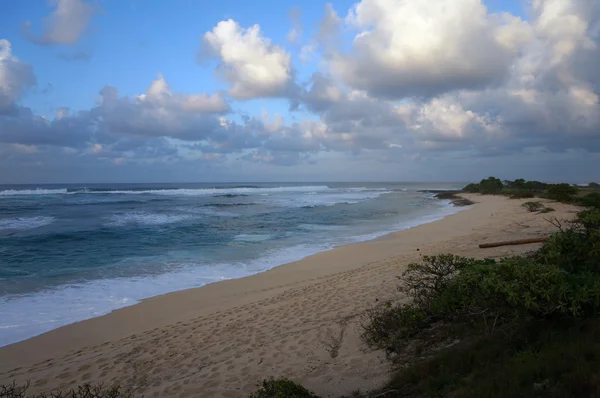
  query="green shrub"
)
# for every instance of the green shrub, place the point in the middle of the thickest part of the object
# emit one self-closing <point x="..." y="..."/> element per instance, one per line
<point x="521" y="194"/>
<point x="84" y="391"/>
<point x="389" y="327"/>
<point x="561" y="192"/>
<point x="590" y="200"/>
<point x="547" y="210"/>
<point x="424" y="281"/>
<point x="533" y="206"/>
<point x="281" y="388"/>
<point x="561" y="279"/>
<point x="594" y="185"/>
<point x="490" y="186"/>
<point x="535" y="186"/>
<point x="471" y="188"/>
<point x="553" y="359"/>
<point x="576" y="249"/>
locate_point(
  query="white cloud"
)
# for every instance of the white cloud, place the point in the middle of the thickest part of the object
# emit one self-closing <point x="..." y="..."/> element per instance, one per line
<point x="15" y="77"/>
<point x="66" y="24"/>
<point x="445" y="120"/>
<point x="248" y="61"/>
<point x="415" y="47"/>
<point x="159" y="94"/>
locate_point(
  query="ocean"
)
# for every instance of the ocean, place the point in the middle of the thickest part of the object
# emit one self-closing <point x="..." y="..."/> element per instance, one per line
<point x="73" y="252"/>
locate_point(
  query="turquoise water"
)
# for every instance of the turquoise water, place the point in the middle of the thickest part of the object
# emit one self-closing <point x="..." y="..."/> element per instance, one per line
<point x="69" y="253"/>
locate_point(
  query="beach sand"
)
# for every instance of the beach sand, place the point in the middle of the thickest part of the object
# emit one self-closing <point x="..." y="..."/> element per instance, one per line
<point x="300" y="320"/>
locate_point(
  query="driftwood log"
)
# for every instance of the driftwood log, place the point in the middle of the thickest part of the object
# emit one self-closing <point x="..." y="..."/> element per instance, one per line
<point x="514" y="242"/>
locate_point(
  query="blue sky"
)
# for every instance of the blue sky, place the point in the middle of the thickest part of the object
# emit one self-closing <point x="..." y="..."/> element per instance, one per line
<point x="427" y="105"/>
<point x="131" y="41"/>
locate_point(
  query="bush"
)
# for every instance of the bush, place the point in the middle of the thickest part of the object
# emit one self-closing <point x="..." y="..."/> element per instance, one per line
<point x="540" y="359"/>
<point x="471" y="188"/>
<point x="594" y="185"/>
<point x="281" y="388"/>
<point x="562" y="279"/>
<point x="547" y="210"/>
<point x="521" y="194"/>
<point x="424" y="282"/>
<point x="533" y="206"/>
<point x="490" y="186"/>
<point x="561" y="192"/>
<point x="590" y="200"/>
<point x="389" y="327"/>
<point x="577" y="249"/>
<point x="84" y="391"/>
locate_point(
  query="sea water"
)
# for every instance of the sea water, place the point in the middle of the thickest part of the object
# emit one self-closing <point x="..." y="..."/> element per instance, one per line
<point x="69" y="253"/>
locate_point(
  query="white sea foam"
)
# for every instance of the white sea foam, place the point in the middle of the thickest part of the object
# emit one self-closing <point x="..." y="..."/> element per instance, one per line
<point x="173" y="192"/>
<point x="215" y="191"/>
<point x="325" y="199"/>
<point x="252" y="237"/>
<point x="16" y="192"/>
<point x="321" y="227"/>
<point x="142" y="218"/>
<point x="72" y="303"/>
<point x="24" y="223"/>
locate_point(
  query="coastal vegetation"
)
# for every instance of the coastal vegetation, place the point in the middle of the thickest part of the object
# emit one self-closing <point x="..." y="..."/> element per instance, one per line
<point x="520" y="189"/>
<point x="520" y="326"/>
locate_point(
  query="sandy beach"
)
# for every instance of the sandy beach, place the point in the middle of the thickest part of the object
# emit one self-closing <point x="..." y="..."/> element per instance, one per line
<point x="300" y="320"/>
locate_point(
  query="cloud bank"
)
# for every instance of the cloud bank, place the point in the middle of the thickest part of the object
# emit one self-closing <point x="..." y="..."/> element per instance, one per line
<point x="420" y="84"/>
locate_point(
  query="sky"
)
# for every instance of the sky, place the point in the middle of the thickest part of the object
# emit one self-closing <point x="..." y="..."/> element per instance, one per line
<point x="370" y="90"/>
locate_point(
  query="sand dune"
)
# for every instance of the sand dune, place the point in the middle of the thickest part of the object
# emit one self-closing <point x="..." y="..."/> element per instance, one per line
<point x="300" y="320"/>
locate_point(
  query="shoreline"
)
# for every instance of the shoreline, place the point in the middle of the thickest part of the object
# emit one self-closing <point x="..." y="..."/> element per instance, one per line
<point x="449" y="209"/>
<point x="281" y="322"/>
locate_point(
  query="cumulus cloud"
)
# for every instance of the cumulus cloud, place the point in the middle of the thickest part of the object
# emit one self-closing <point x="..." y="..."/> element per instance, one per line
<point x="15" y="77"/>
<point x="65" y="25"/>
<point x="117" y="121"/>
<point x="421" y="48"/>
<point x="155" y="126"/>
<point x="468" y="81"/>
<point x="159" y="112"/>
<point x="248" y="61"/>
<point x="159" y="94"/>
<point x="551" y="98"/>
